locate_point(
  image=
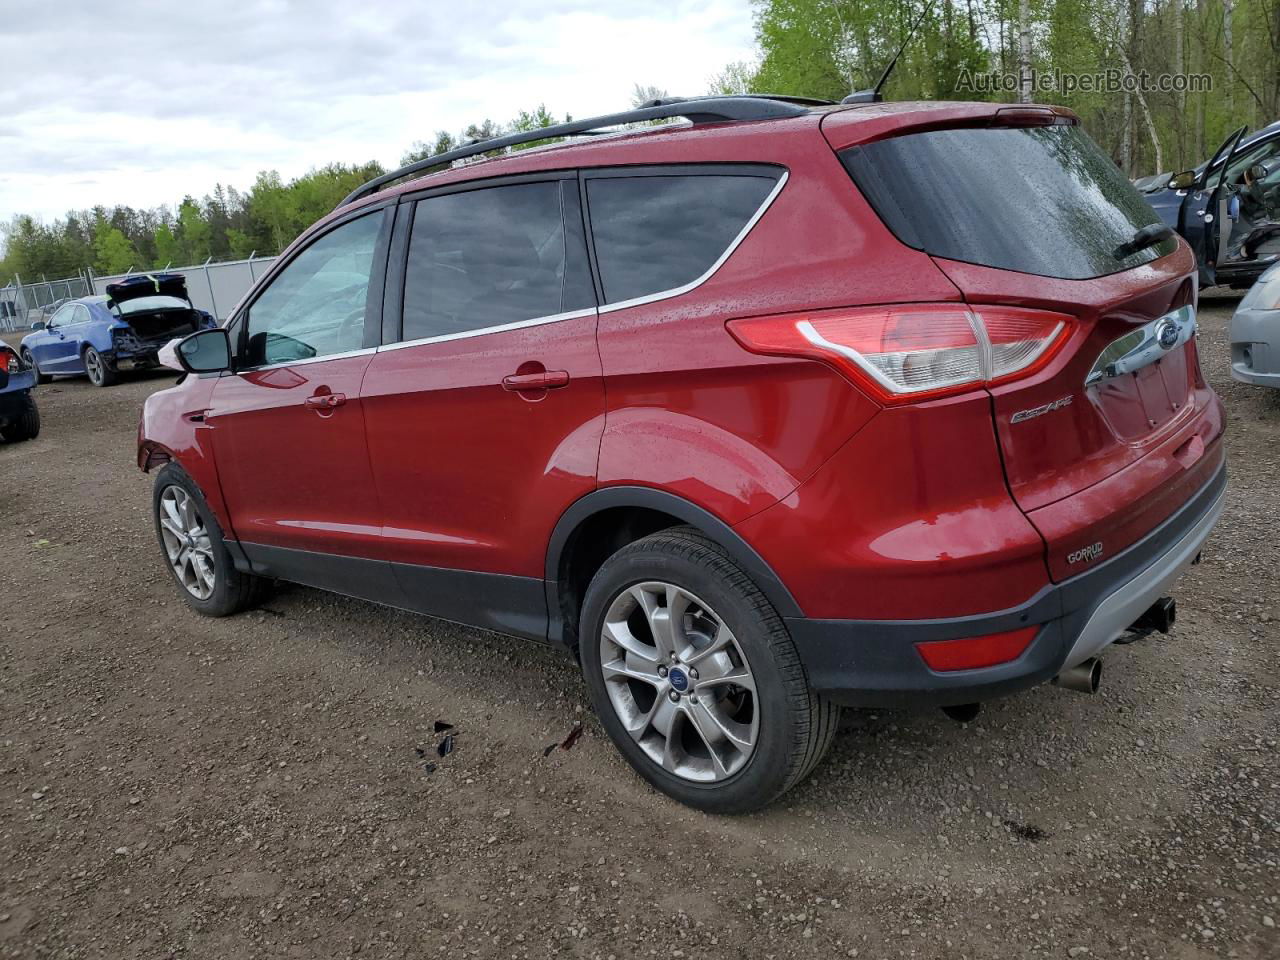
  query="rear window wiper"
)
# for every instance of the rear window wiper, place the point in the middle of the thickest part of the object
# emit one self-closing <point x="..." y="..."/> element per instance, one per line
<point x="1147" y="236"/>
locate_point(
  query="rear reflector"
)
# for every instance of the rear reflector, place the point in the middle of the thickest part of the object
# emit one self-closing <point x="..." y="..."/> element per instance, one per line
<point x="970" y="653"/>
<point x="906" y="352"/>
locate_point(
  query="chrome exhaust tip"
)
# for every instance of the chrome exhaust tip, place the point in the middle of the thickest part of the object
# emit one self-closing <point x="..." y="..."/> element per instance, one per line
<point x="1082" y="678"/>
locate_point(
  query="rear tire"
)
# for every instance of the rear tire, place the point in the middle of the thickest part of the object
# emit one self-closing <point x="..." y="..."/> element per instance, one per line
<point x="194" y="551"/>
<point x="100" y="370"/>
<point x="741" y="734"/>
<point x="25" y="426"/>
<point x="30" y="361"/>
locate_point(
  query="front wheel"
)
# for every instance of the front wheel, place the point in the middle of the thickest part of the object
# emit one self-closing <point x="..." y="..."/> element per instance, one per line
<point x="100" y="370"/>
<point x="30" y="362"/>
<point x="195" y="552"/>
<point x="695" y="678"/>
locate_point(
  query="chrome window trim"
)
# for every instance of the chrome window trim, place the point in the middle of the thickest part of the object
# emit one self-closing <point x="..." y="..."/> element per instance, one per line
<point x="307" y="360"/>
<point x="609" y="308"/>
<point x="1142" y="346"/>
<point x="710" y="272"/>
<point x="482" y="331"/>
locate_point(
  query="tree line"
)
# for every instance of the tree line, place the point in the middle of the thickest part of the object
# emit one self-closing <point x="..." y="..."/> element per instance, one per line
<point x="817" y="48"/>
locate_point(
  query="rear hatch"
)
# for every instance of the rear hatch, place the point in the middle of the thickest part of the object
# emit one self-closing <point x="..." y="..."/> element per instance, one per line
<point x="1118" y="429"/>
<point x="156" y="307"/>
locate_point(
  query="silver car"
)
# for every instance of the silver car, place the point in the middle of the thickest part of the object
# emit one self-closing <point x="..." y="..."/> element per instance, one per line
<point x="1255" y="333"/>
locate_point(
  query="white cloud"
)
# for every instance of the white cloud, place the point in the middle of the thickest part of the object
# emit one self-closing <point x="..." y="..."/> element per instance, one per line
<point x="138" y="103"/>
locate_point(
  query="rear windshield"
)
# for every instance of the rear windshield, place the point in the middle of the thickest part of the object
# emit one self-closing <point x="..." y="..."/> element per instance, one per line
<point x="1041" y="200"/>
<point x="141" y="304"/>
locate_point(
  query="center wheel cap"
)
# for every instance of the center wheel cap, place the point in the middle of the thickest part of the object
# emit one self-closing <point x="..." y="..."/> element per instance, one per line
<point x="678" y="679"/>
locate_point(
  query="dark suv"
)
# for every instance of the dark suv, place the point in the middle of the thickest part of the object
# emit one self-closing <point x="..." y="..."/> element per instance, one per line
<point x="790" y="407"/>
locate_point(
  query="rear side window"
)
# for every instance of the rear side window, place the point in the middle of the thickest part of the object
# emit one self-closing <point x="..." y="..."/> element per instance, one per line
<point x="1040" y="200"/>
<point x="485" y="258"/>
<point x="654" y="234"/>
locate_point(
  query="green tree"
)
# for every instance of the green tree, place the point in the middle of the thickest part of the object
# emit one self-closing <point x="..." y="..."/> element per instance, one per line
<point x="113" y="253"/>
<point x="168" y="251"/>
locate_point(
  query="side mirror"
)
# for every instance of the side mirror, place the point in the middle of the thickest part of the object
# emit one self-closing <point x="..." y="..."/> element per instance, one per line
<point x="206" y="351"/>
<point x="38" y="325"/>
<point x="1183" y="181"/>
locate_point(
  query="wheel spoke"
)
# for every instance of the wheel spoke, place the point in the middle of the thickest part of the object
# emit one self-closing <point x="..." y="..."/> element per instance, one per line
<point x="707" y="716"/>
<point x="620" y="669"/>
<point x="723" y="639"/>
<point x="739" y="677"/>
<point x="708" y="732"/>
<point x="617" y="632"/>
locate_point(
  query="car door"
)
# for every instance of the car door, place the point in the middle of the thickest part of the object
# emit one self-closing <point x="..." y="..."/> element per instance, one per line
<point x="288" y="425"/>
<point x="485" y="414"/>
<point x="1205" y="209"/>
<point x="59" y="351"/>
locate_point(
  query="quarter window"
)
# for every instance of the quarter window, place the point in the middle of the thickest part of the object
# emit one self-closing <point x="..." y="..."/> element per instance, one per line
<point x="485" y="258"/>
<point x="317" y="305"/>
<point x="658" y="233"/>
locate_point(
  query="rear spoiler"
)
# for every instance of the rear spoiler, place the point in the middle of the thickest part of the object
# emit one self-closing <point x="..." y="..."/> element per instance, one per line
<point x="148" y="285"/>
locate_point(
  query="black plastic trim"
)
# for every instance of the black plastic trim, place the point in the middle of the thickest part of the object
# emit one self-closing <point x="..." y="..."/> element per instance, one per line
<point x="608" y="498"/>
<point x="489" y="601"/>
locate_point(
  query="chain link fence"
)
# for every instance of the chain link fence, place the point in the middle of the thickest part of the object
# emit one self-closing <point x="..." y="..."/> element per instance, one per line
<point x="22" y="304"/>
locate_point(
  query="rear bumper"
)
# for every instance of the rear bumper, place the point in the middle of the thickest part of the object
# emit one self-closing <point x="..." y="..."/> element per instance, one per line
<point x="874" y="663"/>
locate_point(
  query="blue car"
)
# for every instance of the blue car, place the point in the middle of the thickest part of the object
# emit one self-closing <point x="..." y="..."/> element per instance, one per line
<point x="19" y="418"/>
<point x="100" y="336"/>
<point x="1228" y="208"/>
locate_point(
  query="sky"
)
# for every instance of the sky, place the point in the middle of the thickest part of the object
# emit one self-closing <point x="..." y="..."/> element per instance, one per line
<point x="138" y="103"/>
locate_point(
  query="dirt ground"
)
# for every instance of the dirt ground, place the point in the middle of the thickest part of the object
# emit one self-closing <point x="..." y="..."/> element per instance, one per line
<point x="253" y="787"/>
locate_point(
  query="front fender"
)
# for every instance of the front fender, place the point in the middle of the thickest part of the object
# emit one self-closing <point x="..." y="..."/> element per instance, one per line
<point x="171" y="428"/>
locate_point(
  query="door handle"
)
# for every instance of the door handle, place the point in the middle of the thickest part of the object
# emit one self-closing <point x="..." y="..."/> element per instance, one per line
<point x="542" y="380"/>
<point x="326" y="401"/>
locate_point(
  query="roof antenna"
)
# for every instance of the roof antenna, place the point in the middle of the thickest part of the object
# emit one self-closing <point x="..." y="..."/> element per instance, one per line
<point x="874" y="95"/>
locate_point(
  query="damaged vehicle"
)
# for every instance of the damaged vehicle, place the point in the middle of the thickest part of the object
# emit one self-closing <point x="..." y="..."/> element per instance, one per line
<point x="1227" y="209"/>
<point x="101" y="336"/>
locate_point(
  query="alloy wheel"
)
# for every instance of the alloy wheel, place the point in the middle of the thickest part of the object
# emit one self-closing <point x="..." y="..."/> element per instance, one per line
<point x="93" y="365"/>
<point x="679" y="682"/>
<point x="186" y="543"/>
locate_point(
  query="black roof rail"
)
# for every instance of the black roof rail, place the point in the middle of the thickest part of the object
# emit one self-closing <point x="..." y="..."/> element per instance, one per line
<point x="694" y="109"/>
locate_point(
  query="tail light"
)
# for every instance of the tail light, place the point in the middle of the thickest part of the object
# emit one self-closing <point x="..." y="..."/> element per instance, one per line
<point x="908" y="352"/>
<point x="10" y="360"/>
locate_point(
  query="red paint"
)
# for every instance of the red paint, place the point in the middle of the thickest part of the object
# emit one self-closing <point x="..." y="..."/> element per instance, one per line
<point x="465" y="453"/>
<point x="473" y="475"/>
<point x="293" y="474"/>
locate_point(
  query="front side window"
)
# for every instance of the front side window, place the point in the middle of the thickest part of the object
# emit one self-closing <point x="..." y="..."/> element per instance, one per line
<point x="657" y="233"/>
<point x="64" y="316"/>
<point x="316" y="306"/>
<point x="484" y="258"/>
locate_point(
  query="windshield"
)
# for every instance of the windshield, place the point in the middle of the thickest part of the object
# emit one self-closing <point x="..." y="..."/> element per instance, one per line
<point x="145" y="304"/>
<point x="1040" y="200"/>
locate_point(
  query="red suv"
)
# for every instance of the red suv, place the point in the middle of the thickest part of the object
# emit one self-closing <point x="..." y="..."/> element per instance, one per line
<point x="789" y="407"/>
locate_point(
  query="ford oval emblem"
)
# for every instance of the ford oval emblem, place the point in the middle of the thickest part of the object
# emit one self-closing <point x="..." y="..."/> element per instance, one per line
<point x="1167" y="335"/>
<point x="679" y="682"/>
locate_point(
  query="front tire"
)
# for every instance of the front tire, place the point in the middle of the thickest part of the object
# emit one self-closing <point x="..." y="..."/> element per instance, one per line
<point x="25" y="426"/>
<point x="99" y="368"/>
<point x="30" y="361"/>
<point x="194" y="550"/>
<point x="695" y="678"/>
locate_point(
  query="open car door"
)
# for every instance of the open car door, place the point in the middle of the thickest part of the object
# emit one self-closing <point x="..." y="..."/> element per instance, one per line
<point x="1206" y="209"/>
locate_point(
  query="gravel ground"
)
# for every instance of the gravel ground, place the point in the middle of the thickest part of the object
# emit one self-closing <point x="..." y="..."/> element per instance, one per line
<point x="258" y="786"/>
